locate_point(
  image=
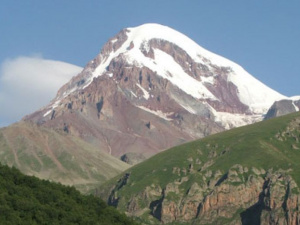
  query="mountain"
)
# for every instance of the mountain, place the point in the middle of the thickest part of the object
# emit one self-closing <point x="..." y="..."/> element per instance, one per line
<point x="55" y="156"/>
<point x="246" y="176"/>
<point x="28" y="200"/>
<point x="151" y="88"/>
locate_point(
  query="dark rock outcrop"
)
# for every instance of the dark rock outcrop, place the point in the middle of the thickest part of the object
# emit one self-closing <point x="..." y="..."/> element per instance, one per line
<point x="241" y="196"/>
<point x="281" y="108"/>
<point x="132" y="158"/>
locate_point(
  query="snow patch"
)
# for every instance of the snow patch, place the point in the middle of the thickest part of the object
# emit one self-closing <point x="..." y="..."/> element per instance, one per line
<point x="133" y="94"/>
<point x="296" y="107"/>
<point x="67" y="92"/>
<point x="294" y="98"/>
<point x="189" y="109"/>
<point x="210" y="80"/>
<point x="145" y="46"/>
<point x="47" y="113"/>
<point x="171" y="71"/>
<point x="114" y="40"/>
<point x="229" y="120"/>
<point x="53" y="106"/>
<point x="252" y="92"/>
<point x="179" y="78"/>
<point x="146" y="93"/>
<point x="157" y="113"/>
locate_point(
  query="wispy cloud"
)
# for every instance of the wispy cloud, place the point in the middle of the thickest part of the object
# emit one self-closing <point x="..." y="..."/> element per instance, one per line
<point x="28" y="83"/>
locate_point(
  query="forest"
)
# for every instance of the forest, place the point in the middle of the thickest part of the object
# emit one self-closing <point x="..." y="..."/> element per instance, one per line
<point x="29" y="200"/>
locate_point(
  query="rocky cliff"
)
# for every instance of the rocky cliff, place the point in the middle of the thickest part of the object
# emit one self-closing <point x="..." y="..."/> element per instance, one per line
<point x="240" y="196"/>
<point x="243" y="176"/>
<point x="283" y="107"/>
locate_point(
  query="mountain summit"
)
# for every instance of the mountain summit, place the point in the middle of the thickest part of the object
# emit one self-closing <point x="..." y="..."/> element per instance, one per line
<point x="151" y="88"/>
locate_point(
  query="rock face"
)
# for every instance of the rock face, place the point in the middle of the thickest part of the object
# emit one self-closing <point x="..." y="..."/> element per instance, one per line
<point x="133" y="158"/>
<point x="151" y="88"/>
<point x="246" y="176"/>
<point x="240" y="196"/>
<point x="283" y="107"/>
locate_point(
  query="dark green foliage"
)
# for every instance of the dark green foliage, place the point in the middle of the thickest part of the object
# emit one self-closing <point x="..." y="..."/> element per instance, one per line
<point x="28" y="200"/>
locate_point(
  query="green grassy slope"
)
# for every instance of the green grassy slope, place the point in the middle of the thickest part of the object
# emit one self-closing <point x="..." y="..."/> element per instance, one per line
<point x="252" y="146"/>
<point x="28" y="200"/>
<point x="63" y="158"/>
<point x="265" y="145"/>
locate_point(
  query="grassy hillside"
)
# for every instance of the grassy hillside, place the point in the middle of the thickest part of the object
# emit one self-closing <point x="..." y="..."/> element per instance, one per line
<point x="28" y="200"/>
<point x="258" y="150"/>
<point x="55" y="156"/>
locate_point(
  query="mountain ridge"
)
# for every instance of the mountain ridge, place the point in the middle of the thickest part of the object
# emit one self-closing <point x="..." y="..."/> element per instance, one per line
<point x="52" y="155"/>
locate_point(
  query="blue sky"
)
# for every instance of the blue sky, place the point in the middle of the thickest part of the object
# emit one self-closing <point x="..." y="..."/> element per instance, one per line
<point x="261" y="36"/>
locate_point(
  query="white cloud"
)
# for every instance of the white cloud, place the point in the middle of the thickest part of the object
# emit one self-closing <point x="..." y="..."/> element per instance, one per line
<point x="29" y="83"/>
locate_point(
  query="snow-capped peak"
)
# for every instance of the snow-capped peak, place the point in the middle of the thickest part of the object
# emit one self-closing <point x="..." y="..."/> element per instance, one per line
<point x="251" y="92"/>
<point x="150" y="31"/>
<point x="144" y="33"/>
